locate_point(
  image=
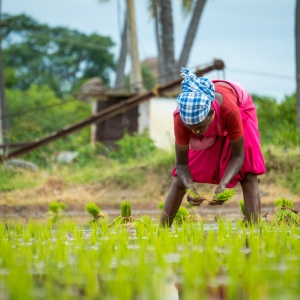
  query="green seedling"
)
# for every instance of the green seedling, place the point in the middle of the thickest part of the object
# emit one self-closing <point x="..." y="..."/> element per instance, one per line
<point x="286" y="212"/>
<point x="242" y="206"/>
<point x="94" y="210"/>
<point x="125" y="209"/>
<point x="182" y="215"/>
<point x="226" y="195"/>
<point x="284" y="202"/>
<point x="125" y="218"/>
<point x="191" y="193"/>
<point x="56" y="210"/>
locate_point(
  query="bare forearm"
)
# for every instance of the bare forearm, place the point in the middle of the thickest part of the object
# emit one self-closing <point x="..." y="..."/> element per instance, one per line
<point x="232" y="169"/>
<point x="184" y="174"/>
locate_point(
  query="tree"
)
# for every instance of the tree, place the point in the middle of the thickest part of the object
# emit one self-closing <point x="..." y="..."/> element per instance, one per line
<point x="191" y="33"/>
<point x="297" y="42"/>
<point x="167" y="41"/>
<point x="161" y="11"/>
<point x="58" y="57"/>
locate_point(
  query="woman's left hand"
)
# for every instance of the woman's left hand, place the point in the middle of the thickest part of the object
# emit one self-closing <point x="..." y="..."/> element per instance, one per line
<point x="220" y="188"/>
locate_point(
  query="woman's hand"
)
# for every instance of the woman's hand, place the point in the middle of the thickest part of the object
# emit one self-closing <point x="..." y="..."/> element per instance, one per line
<point x="220" y="188"/>
<point x="195" y="199"/>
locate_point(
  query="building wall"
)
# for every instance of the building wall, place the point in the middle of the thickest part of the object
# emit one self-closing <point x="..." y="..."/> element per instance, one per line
<point x="161" y="122"/>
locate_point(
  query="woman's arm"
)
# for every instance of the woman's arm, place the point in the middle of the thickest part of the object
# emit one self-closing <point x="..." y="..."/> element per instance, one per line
<point x="234" y="165"/>
<point x="182" y="168"/>
<point x="184" y="174"/>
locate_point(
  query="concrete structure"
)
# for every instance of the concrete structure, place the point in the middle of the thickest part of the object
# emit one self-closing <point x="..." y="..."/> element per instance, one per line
<point x="154" y="116"/>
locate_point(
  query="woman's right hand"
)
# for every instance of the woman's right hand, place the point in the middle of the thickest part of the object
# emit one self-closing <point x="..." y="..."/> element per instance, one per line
<point x="194" y="199"/>
<point x="184" y="174"/>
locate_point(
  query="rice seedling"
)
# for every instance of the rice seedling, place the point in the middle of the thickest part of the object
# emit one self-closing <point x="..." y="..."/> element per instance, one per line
<point x="125" y="217"/>
<point x="243" y="209"/>
<point x="195" y="260"/>
<point x="56" y="210"/>
<point x="182" y="215"/>
<point x="191" y="193"/>
<point x="286" y="212"/>
<point x="94" y="210"/>
<point x="226" y="195"/>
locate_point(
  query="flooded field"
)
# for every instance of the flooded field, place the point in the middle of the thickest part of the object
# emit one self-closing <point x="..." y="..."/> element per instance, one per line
<point x="222" y="259"/>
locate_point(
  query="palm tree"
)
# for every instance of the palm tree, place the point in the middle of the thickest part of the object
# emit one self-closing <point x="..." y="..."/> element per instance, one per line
<point x="161" y="11"/>
<point x="191" y="33"/>
<point x="167" y="40"/>
<point x="297" y="38"/>
<point x="120" y="76"/>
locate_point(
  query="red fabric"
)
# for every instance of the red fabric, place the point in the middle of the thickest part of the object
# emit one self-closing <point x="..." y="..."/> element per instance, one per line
<point x="229" y="115"/>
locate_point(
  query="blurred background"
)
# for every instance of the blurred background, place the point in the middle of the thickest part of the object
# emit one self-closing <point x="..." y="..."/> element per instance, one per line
<point x="87" y="91"/>
<point x="255" y="39"/>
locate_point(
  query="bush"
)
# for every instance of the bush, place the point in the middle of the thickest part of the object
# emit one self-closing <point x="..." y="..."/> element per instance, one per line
<point x="133" y="147"/>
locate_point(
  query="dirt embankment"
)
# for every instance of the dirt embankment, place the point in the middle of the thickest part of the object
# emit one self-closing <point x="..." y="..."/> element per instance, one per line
<point x="109" y="194"/>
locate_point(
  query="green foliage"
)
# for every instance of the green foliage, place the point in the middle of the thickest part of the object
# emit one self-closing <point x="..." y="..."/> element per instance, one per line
<point x="125" y="209"/>
<point x="134" y="146"/>
<point x="148" y="78"/>
<point x="54" y="56"/>
<point x="12" y="179"/>
<point x="93" y="209"/>
<point x="278" y="121"/>
<point x="27" y="127"/>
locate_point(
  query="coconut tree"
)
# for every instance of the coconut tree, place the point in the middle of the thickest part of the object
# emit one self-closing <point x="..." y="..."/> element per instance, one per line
<point x="191" y="31"/>
<point x="297" y="39"/>
<point x="161" y="11"/>
<point x="167" y="41"/>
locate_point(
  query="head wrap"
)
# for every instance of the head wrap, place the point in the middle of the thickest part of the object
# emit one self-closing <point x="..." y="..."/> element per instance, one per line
<point x="197" y="95"/>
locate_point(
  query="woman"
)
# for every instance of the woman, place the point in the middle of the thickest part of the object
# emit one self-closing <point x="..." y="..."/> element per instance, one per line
<point x="216" y="141"/>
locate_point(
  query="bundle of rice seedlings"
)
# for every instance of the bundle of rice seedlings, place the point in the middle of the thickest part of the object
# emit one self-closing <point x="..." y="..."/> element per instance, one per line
<point x="283" y="202"/>
<point x="286" y="212"/>
<point x="125" y="209"/>
<point x="191" y="193"/>
<point x="288" y="217"/>
<point x="226" y="195"/>
<point x="56" y="210"/>
<point x="222" y="197"/>
<point x="94" y="210"/>
<point x="182" y="215"/>
<point x="125" y="217"/>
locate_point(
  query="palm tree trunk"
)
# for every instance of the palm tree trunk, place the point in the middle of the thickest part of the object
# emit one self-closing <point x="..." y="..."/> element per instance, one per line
<point x="3" y="119"/>
<point x="297" y="38"/>
<point x="160" y="59"/>
<point x="120" y="77"/>
<point x="191" y="33"/>
<point x="167" y="38"/>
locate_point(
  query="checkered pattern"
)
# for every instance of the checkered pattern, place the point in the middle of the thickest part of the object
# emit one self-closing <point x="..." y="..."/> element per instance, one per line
<point x="197" y="95"/>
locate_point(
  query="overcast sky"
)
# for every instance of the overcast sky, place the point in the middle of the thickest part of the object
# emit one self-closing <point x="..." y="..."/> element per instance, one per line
<point x="255" y="38"/>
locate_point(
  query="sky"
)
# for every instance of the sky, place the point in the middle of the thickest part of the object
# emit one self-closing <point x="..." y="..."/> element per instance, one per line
<point x="254" y="38"/>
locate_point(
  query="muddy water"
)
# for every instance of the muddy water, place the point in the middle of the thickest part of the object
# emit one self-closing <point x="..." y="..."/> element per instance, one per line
<point x="207" y="214"/>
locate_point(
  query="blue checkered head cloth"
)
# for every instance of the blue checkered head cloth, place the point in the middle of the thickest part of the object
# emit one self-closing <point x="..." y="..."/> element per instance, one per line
<point x="197" y="95"/>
